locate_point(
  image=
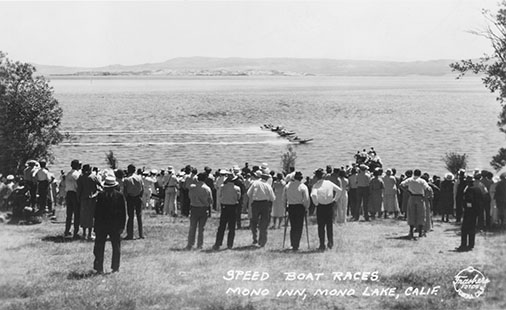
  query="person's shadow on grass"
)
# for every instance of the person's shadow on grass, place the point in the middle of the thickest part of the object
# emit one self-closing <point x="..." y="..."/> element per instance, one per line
<point x="406" y="237"/>
<point x="289" y="251"/>
<point x="58" y="239"/>
<point x="80" y="275"/>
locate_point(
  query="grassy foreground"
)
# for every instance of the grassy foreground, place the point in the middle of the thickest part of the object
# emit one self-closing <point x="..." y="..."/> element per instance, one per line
<point x="41" y="271"/>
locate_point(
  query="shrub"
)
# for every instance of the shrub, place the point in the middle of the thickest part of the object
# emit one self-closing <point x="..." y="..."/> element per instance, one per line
<point x="288" y="159"/>
<point x="499" y="160"/>
<point x="454" y="162"/>
<point x="111" y="160"/>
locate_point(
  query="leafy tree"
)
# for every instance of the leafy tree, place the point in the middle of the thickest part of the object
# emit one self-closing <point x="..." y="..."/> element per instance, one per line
<point x="288" y="159"/>
<point x="492" y="67"/>
<point x="454" y="162"/>
<point x="499" y="160"/>
<point x="29" y="116"/>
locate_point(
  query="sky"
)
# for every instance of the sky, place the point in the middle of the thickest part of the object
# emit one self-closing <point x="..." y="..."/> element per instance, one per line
<point x="100" y="33"/>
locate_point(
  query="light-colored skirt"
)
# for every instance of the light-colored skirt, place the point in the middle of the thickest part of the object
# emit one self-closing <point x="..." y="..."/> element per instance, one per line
<point x="340" y="209"/>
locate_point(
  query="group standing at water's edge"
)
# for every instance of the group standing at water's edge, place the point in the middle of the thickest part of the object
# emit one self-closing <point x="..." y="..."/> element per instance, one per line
<point x="252" y="193"/>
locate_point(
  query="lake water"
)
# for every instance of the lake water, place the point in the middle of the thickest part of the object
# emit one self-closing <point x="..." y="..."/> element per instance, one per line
<point x="411" y="121"/>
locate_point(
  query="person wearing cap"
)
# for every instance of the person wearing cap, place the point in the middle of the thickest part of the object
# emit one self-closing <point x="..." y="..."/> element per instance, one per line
<point x="446" y="200"/>
<point x="201" y="199"/>
<point x="472" y="199"/>
<point x="296" y="197"/>
<point x="71" y="200"/>
<point x="133" y="189"/>
<point x="324" y="194"/>
<point x="88" y="187"/>
<point x="230" y="197"/>
<point x="260" y="197"/>
<point x="170" y="184"/>
<point x="416" y="186"/>
<point x="110" y="218"/>
<point x="363" y="180"/>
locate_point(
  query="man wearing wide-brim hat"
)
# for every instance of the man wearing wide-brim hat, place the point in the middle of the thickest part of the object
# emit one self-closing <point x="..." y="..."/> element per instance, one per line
<point x="110" y="218"/>
<point x="230" y="196"/>
<point x="260" y="196"/>
<point x="170" y="184"/>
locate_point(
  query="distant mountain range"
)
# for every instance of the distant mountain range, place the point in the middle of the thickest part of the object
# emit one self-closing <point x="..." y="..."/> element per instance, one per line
<point x="206" y="66"/>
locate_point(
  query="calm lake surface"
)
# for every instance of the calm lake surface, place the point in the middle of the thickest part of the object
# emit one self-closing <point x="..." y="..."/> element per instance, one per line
<point x="411" y="121"/>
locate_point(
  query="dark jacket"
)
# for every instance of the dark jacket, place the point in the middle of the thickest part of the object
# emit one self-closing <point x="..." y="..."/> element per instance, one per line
<point x="110" y="212"/>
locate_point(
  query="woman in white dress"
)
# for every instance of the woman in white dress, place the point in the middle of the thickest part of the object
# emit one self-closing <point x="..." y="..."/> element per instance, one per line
<point x="390" y="203"/>
<point x="342" y="202"/>
<point x="278" y="209"/>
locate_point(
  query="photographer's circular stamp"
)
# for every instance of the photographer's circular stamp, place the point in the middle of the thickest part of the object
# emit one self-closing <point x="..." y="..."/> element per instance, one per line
<point x="470" y="283"/>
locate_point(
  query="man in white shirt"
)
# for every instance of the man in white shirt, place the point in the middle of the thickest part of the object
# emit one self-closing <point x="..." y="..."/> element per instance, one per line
<point x="324" y="194"/>
<point x="260" y="196"/>
<point x="43" y="178"/>
<point x="71" y="198"/>
<point x="296" y="197"/>
<point x="416" y="205"/>
<point x="170" y="184"/>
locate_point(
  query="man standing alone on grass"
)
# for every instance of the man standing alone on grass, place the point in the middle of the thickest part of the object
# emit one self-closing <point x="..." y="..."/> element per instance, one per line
<point x="230" y="196"/>
<point x="133" y="187"/>
<point x="260" y="196"/>
<point x="324" y="195"/>
<point x="110" y="217"/>
<point x="296" y="196"/>
<point x="201" y="200"/>
<point x="416" y="186"/>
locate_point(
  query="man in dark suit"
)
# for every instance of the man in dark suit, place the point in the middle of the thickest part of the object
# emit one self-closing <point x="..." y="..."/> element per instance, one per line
<point x="110" y="218"/>
<point x="472" y="200"/>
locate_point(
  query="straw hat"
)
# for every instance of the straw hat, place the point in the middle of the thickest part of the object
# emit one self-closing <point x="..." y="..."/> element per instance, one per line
<point x="449" y="176"/>
<point x="110" y="181"/>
